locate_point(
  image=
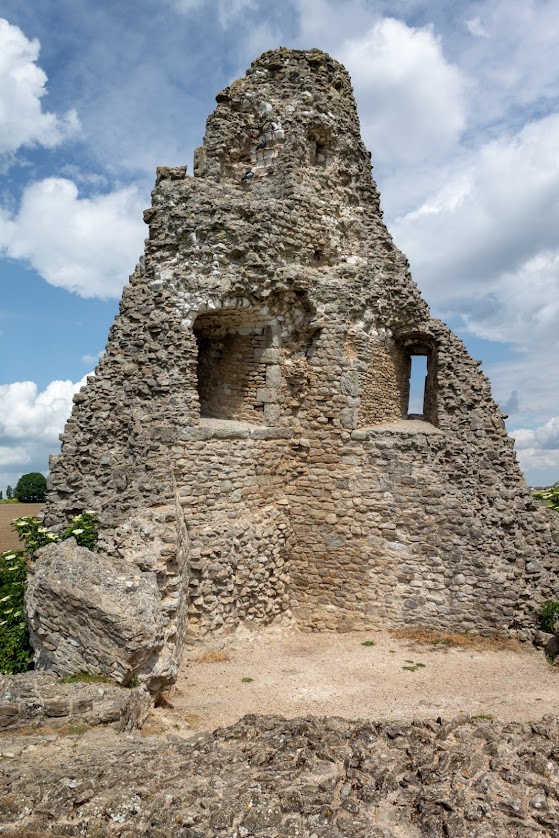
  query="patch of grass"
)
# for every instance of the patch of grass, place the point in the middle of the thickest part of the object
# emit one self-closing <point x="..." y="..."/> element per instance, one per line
<point x="368" y="643"/>
<point x="247" y="680"/>
<point x="438" y="639"/>
<point x="86" y="678"/>
<point x="414" y="666"/>
<point x="212" y="657"/>
<point x="486" y="717"/>
<point x="74" y="729"/>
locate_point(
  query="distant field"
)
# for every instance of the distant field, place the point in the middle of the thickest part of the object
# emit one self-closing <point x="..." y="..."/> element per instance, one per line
<point x="9" y="511"/>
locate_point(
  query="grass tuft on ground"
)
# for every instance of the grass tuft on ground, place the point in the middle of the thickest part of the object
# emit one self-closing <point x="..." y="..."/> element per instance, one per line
<point x="442" y="640"/>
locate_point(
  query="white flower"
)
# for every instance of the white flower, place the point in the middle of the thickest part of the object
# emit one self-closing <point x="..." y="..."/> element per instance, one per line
<point x="76" y="532"/>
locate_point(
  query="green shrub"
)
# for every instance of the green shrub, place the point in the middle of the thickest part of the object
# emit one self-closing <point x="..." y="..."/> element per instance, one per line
<point x="549" y="614"/>
<point x="84" y="529"/>
<point x="33" y="533"/>
<point x="15" y="651"/>
<point x="549" y="496"/>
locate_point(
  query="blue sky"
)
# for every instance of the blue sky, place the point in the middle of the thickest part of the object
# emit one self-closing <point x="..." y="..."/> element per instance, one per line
<point x="458" y="104"/>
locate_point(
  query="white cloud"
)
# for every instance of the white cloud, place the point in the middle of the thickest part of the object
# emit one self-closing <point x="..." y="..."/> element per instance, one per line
<point x="485" y="245"/>
<point x="524" y="304"/>
<point x="30" y="424"/>
<point x="514" y="56"/>
<point x="227" y="11"/>
<point x="92" y="359"/>
<point x="538" y="451"/>
<point x="13" y="456"/>
<point x="475" y="27"/>
<point x="22" y="85"/>
<point x="85" y="245"/>
<point x="412" y="101"/>
<point x="27" y="413"/>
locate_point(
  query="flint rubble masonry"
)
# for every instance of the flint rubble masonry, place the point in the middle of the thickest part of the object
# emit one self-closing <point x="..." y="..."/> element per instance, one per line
<point x="245" y="440"/>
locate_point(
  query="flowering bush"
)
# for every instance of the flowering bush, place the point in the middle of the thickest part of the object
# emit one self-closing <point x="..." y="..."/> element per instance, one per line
<point x="84" y="529"/>
<point x="15" y="651"/>
<point x="34" y="535"/>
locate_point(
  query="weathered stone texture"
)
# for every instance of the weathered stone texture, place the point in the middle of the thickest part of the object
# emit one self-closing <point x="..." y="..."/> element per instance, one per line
<point x="268" y="777"/>
<point x="40" y="700"/>
<point x="94" y="613"/>
<point x="252" y="405"/>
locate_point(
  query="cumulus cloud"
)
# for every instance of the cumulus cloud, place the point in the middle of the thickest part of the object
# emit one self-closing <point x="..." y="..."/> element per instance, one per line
<point x="13" y="456"/>
<point x="27" y="413"/>
<point x="538" y="450"/>
<point x="486" y="244"/>
<point x="544" y="437"/>
<point x="85" y="245"/>
<point x="30" y="423"/>
<point x="412" y="100"/>
<point x="22" y="86"/>
<point x="514" y="55"/>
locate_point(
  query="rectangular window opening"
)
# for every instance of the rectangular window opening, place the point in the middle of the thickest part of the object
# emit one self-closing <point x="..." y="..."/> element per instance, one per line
<point x="417" y="386"/>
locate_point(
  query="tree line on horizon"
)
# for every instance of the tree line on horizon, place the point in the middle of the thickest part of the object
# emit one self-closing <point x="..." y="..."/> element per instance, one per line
<point x="30" y="488"/>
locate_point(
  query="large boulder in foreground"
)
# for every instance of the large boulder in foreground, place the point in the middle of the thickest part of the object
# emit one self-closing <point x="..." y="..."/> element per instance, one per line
<point x="41" y="701"/>
<point x="91" y="613"/>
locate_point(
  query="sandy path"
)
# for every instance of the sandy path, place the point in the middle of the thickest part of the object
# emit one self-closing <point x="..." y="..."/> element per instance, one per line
<point x="325" y="674"/>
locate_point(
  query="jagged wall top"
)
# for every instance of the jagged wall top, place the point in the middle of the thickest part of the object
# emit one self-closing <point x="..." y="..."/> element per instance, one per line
<point x="283" y="197"/>
<point x="300" y="103"/>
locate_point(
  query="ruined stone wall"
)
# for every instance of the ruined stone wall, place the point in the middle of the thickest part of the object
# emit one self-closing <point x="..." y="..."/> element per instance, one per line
<point x="245" y="436"/>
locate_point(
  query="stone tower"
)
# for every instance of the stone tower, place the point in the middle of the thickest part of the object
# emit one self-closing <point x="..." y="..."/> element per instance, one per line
<point x="246" y="440"/>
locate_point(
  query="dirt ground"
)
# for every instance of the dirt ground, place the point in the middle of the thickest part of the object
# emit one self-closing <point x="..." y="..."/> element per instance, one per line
<point x="294" y="674"/>
<point x="9" y="511"/>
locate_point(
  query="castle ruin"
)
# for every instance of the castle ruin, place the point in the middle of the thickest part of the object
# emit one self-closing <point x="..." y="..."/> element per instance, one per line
<point x="247" y="442"/>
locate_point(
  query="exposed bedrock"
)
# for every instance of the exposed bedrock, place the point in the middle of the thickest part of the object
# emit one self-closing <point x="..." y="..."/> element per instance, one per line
<point x="267" y="777"/>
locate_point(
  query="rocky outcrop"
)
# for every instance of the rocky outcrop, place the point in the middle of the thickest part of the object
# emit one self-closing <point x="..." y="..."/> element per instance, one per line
<point x="41" y="700"/>
<point x="267" y="777"/>
<point x="93" y="613"/>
